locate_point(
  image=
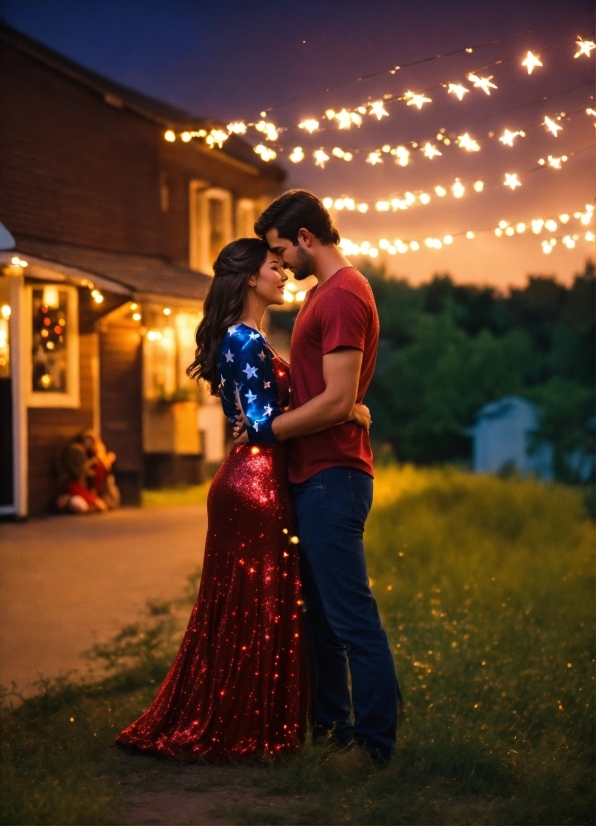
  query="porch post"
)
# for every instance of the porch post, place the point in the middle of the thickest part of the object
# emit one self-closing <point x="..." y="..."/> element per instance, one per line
<point x="19" y="356"/>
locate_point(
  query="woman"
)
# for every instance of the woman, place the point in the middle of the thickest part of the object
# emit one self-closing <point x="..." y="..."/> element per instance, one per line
<point x="239" y="684"/>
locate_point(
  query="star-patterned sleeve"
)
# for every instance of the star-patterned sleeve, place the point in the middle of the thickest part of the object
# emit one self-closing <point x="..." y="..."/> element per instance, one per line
<point x="247" y="380"/>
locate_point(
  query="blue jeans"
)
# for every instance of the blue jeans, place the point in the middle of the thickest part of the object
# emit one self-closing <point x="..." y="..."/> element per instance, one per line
<point x="343" y="625"/>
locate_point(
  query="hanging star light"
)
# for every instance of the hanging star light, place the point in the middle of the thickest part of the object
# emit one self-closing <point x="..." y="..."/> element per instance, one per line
<point x="584" y="47"/>
<point x="374" y="158"/>
<point x="321" y="157"/>
<point x="430" y="151"/>
<point x="377" y="108"/>
<point x="237" y="128"/>
<point x="297" y="155"/>
<point x="508" y="137"/>
<point x="268" y="129"/>
<point x="483" y="83"/>
<point x="552" y="126"/>
<point x="531" y="62"/>
<point x="458" y="90"/>
<point x="311" y="125"/>
<point x="468" y="143"/>
<point x="265" y="153"/>
<point x="402" y="155"/>
<point x="511" y="180"/>
<point x="416" y="100"/>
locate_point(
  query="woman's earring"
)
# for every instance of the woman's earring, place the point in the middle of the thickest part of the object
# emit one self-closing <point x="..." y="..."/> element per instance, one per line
<point x="256" y="301"/>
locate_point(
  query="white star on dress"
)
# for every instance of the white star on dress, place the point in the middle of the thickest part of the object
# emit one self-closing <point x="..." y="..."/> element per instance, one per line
<point x="252" y="336"/>
<point x="266" y="385"/>
<point x="229" y="356"/>
<point x="250" y="396"/>
<point x="268" y="410"/>
<point x="223" y="381"/>
<point x="250" y="371"/>
<point x="256" y="426"/>
<point x="232" y="329"/>
<point x="262" y="356"/>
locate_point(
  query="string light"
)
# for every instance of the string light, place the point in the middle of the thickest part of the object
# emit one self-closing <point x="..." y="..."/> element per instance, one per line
<point x="310" y="125"/>
<point x="377" y="108"/>
<point x="237" y="128"/>
<point x="483" y="83"/>
<point x="584" y="47"/>
<point x="430" y="151"/>
<point x="297" y="155"/>
<point x="374" y="158"/>
<point x="265" y="152"/>
<point x="531" y="62"/>
<point x="508" y="137"/>
<point x="321" y="157"/>
<point x="468" y="143"/>
<point x="551" y="126"/>
<point x="505" y="229"/>
<point x="413" y="99"/>
<point x="458" y="90"/>
<point x="511" y="180"/>
<point x="268" y="129"/>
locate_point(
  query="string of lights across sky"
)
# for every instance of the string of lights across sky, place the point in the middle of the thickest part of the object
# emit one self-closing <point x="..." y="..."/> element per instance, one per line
<point x="442" y="143"/>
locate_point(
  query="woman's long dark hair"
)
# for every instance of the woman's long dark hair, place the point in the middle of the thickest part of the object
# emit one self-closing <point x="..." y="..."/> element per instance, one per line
<point x="224" y="303"/>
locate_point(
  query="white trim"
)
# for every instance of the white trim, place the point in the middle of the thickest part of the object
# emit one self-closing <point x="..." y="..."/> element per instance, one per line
<point x="19" y="323"/>
<point x="72" y="396"/>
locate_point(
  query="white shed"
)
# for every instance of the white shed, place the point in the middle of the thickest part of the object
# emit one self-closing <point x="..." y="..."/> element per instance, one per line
<point x="502" y="439"/>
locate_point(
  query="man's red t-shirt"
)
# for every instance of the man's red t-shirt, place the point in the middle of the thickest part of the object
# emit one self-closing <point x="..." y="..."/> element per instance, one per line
<point x="341" y="312"/>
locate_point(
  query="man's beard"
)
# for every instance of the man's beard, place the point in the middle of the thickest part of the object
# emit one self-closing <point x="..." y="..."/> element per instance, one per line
<point x="304" y="265"/>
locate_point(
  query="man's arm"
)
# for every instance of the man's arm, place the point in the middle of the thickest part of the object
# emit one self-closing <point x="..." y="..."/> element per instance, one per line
<point x="341" y="373"/>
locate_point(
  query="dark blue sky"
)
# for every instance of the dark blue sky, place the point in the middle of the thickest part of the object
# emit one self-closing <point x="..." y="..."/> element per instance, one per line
<point x="230" y="59"/>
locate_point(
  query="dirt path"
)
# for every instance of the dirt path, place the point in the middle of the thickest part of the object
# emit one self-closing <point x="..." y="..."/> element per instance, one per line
<point x="67" y="581"/>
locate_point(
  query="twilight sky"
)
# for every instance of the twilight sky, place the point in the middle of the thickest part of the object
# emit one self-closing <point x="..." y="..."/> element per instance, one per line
<point x="230" y="59"/>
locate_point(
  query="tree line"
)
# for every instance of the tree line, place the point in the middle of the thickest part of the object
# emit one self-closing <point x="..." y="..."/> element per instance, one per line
<point x="447" y="349"/>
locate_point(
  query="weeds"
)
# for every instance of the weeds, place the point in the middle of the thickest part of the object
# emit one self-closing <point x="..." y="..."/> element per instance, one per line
<point x="486" y="590"/>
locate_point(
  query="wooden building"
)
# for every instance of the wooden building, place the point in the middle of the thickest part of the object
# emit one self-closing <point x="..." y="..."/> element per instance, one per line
<point x="115" y="230"/>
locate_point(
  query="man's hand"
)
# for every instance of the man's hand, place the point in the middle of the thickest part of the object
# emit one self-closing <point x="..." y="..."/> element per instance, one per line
<point x="361" y="416"/>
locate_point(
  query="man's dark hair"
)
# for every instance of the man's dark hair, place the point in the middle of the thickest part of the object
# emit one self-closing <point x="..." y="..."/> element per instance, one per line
<point x="294" y="210"/>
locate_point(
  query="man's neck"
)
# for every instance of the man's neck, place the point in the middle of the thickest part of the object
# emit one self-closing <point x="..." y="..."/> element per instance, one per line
<point x="328" y="261"/>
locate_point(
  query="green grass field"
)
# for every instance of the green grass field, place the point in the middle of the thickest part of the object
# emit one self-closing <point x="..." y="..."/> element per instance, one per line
<point x="486" y="590"/>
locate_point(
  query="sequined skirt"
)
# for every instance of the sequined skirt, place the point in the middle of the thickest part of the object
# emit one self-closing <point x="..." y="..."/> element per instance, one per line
<point x="239" y="684"/>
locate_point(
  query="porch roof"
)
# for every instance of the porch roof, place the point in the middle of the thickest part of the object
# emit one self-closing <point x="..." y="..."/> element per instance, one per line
<point x="135" y="274"/>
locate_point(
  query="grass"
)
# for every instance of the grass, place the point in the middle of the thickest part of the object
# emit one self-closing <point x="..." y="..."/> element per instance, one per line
<point x="485" y="587"/>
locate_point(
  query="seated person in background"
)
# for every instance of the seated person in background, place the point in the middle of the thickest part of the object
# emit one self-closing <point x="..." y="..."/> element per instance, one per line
<point x="75" y="496"/>
<point x="100" y="479"/>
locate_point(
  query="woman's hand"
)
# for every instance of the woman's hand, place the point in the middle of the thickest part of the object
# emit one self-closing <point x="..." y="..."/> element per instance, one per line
<point x="361" y="416"/>
<point x="239" y="427"/>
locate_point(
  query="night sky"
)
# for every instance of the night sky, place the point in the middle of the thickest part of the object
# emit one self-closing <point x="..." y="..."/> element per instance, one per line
<point x="230" y="60"/>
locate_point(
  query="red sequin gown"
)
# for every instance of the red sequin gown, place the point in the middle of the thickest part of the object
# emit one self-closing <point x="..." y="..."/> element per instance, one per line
<point x="239" y="684"/>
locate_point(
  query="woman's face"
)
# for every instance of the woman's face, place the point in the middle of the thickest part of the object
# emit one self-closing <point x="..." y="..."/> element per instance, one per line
<point x="269" y="281"/>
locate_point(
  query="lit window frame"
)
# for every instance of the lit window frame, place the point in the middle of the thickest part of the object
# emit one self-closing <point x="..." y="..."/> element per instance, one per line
<point x="200" y="193"/>
<point x="72" y="397"/>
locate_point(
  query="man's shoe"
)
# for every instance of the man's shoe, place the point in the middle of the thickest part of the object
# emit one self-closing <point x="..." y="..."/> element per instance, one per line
<point x="354" y="760"/>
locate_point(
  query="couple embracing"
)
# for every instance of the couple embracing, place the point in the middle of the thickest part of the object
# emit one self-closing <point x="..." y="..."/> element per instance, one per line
<point x="285" y="615"/>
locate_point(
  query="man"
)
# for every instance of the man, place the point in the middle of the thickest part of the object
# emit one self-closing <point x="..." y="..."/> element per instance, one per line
<point x="333" y="353"/>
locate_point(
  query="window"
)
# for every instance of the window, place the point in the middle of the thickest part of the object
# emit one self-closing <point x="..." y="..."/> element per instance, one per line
<point x="54" y="346"/>
<point x="210" y="224"/>
<point x="247" y="213"/>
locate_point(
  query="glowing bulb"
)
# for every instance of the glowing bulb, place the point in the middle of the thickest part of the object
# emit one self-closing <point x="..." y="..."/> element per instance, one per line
<point x="300" y="296"/>
<point x="382" y="206"/>
<point x="5" y="311"/>
<point x="469" y="234"/>
<point x="589" y="236"/>
<point x="414" y="245"/>
<point x="478" y="186"/>
<point x="296" y="155"/>
<point x="236" y="128"/>
<point x="564" y="218"/>
<point x="133" y="306"/>
<point x="511" y="180"/>
<point x="348" y="156"/>
<point x="413" y="99"/>
<point x="569" y="242"/>
<point x="362" y="207"/>
<point x="136" y="316"/>
<point x="458" y="90"/>
<point x="154" y="335"/>
<point x="424" y="198"/>
<point x="378" y="110"/>
<point x="167" y="311"/>
<point x="521" y="227"/>
<point x="185" y="137"/>
<point x="483" y="83"/>
<point x="321" y="157"/>
<point x="45" y="380"/>
<point x="266" y="154"/>
<point x="448" y="239"/>
<point x="311" y="125"/>
<point x="384" y="244"/>
<point x="584" y="47"/>
<point x="374" y="158"/>
<point x="291" y="287"/>
<point x="409" y="198"/>
<point x="349" y="203"/>
<point x="508" y="137"/>
<point x="458" y="189"/>
<point x="531" y="62"/>
<point x="498" y="232"/>
<point x="373" y="252"/>
<point x="327" y="203"/>
<point x="402" y="155"/>
<point x="441" y="191"/>
<point x="537" y="224"/>
<point x="268" y="129"/>
<point x="551" y="126"/>
<point x="509" y="231"/>
<point x="430" y="151"/>
<point x="503" y="224"/>
<point x="216" y="138"/>
<point x="550" y="225"/>
<point x="170" y="136"/>
<point x="339" y="203"/>
<point x="468" y="143"/>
